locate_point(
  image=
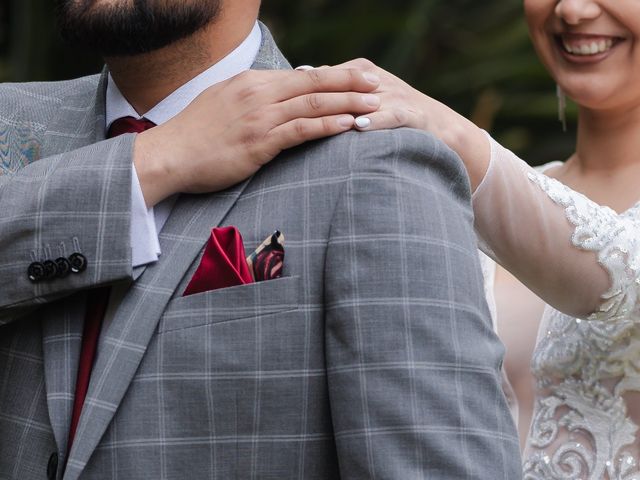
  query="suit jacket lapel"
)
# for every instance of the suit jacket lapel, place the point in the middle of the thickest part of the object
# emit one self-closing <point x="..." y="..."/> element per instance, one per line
<point x="62" y="326"/>
<point x="269" y="57"/>
<point x="79" y="122"/>
<point x="125" y="339"/>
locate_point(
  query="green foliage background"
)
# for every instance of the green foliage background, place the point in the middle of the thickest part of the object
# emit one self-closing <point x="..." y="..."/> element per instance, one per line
<point x="473" y="55"/>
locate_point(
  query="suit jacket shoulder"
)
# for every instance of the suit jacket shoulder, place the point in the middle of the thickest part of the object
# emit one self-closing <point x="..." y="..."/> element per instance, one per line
<point x="34" y="104"/>
<point x="400" y="152"/>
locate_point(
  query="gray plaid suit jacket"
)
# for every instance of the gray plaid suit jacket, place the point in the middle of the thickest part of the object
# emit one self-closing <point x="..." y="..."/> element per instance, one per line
<point x="374" y="356"/>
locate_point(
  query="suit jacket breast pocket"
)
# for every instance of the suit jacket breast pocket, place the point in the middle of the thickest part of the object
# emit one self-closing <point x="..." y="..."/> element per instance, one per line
<point x="229" y="304"/>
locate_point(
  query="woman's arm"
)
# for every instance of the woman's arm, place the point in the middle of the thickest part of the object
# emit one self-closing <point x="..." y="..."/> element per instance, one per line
<point x="576" y="255"/>
<point x="523" y="224"/>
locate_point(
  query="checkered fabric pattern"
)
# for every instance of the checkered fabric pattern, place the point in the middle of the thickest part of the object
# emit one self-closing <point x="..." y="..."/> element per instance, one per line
<point x="373" y="357"/>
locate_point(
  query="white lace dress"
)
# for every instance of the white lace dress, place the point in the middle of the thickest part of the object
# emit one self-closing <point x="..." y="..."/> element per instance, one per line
<point x="583" y="259"/>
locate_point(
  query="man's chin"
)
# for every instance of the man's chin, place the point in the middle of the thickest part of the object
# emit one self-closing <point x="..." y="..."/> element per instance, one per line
<point x="117" y="50"/>
<point x="126" y="28"/>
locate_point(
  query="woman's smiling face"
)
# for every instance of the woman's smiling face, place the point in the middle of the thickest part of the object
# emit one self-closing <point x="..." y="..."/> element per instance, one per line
<point x="590" y="48"/>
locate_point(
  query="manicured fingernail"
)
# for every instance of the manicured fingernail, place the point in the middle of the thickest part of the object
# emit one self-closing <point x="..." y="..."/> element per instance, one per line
<point x="371" y="78"/>
<point x="345" y="121"/>
<point x="363" y="122"/>
<point x="304" y="68"/>
<point x="371" y="100"/>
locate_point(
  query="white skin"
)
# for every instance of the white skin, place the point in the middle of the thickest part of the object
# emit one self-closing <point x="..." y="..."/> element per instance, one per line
<point x="233" y="128"/>
<point x="605" y="166"/>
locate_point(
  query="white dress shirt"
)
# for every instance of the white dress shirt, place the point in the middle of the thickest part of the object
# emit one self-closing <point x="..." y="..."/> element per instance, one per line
<point x="146" y="224"/>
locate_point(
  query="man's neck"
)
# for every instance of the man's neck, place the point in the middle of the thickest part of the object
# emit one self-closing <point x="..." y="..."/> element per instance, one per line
<point x="146" y="79"/>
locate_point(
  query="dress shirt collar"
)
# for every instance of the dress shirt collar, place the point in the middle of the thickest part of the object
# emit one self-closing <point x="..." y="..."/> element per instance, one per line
<point x="236" y="62"/>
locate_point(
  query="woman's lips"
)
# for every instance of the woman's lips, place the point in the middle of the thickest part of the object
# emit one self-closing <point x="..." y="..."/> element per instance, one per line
<point x="583" y="48"/>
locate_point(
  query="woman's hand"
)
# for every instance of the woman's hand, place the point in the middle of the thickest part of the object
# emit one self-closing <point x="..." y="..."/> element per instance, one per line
<point x="232" y="129"/>
<point x="404" y="106"/>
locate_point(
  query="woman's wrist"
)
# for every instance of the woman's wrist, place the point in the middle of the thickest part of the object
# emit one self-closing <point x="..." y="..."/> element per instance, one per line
<point x="468" y="140"/>
<point x="460" y="134"/>
<point x="473" y="147"/>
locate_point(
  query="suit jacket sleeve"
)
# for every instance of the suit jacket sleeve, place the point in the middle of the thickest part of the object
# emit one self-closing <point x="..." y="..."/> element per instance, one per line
<point x="74" y="202"/>
<point x="412" y="359"/>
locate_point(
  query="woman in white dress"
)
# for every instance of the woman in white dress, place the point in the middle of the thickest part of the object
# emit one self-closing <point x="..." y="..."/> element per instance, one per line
<point x="572" y="235"/>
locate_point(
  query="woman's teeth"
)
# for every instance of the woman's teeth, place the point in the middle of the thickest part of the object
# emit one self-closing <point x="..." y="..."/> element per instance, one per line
<point x="588" y="48"/>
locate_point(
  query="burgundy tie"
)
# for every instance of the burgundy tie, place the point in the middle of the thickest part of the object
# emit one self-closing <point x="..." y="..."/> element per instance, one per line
<point x="97" y="301"/>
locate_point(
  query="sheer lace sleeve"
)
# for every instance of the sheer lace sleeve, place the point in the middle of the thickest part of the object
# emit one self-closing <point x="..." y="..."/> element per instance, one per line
<point x="581" y="258"/>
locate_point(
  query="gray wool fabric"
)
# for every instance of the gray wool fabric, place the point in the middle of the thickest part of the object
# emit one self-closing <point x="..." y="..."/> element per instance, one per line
<point x="372" y="358"/>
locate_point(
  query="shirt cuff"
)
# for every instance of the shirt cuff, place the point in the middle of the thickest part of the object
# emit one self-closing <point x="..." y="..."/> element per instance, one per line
<point x="145" y="246"/>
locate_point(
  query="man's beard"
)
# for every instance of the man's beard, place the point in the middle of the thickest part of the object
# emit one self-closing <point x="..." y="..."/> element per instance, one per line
<point x="132" y="27"/>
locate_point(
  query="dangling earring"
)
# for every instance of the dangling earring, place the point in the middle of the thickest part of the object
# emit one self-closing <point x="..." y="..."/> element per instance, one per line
<point x="562" y="107"/>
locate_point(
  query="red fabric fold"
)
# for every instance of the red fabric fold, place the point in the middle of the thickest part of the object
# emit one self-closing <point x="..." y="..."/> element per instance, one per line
<point x="97" y="302"/>
<point x="223" y="264"/>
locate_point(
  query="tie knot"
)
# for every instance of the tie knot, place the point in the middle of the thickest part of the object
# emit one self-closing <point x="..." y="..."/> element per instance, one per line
<point x="129" y="125"/>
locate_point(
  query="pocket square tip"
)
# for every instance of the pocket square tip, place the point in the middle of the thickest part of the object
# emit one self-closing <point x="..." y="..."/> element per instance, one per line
<point x="224" y="264"/>
<point x="267" y="261"/>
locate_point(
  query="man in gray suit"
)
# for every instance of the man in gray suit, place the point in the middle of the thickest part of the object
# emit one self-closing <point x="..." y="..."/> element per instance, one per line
<point x="372" y="357"/>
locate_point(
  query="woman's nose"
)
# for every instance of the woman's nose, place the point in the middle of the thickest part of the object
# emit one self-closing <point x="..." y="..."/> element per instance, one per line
<point x="575" y="12"/>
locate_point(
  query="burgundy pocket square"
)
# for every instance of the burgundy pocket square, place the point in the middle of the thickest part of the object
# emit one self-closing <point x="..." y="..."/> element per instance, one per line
<point x="267" y="261"/>
<point x="224" y="262"/>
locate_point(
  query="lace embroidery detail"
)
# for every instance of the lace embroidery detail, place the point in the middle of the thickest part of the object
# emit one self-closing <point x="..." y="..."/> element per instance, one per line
<point x="581" y="428"/>
<point x="615" y="239"/>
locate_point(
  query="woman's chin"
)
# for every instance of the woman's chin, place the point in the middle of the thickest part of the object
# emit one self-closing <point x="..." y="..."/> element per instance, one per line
<point x="594" y="95"/>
